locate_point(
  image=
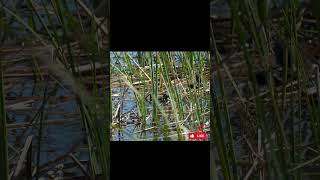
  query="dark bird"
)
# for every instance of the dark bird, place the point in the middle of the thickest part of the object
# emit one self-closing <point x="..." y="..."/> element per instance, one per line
<point x="164" y="99"/>
<point x="262" y="79"/>
<point x="277" y="61"/>
<point x="280" y="55"/>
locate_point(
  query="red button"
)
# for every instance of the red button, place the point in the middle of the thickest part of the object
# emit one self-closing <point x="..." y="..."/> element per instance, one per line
<point x="197" y="135"/>
<point x="201" y="135"/>
<point x="192" y="135"/>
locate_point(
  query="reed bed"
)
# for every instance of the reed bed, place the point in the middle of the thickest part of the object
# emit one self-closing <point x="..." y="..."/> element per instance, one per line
<point x="167" y="92"/>
<point x="265" y="73"/>
<point x="66" y="41"/>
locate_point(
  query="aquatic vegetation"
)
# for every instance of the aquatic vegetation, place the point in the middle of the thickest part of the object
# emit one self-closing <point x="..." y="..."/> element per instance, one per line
<point x="4" y="170"/>
<point x="265" y="100"/>
<point x="66" y="43"/>
<point x="168" y="93"/>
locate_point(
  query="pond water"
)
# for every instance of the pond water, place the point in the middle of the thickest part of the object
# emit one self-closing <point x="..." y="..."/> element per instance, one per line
<point x="17" y="32"/>
<point x="62" y="130"/>
<point x="61" y="120"/>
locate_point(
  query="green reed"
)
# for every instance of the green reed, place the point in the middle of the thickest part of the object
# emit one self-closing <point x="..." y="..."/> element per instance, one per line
<point x="4" y="171"/>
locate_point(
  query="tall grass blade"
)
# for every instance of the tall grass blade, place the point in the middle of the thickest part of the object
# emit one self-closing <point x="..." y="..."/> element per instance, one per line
<point x="4" y="171"/>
